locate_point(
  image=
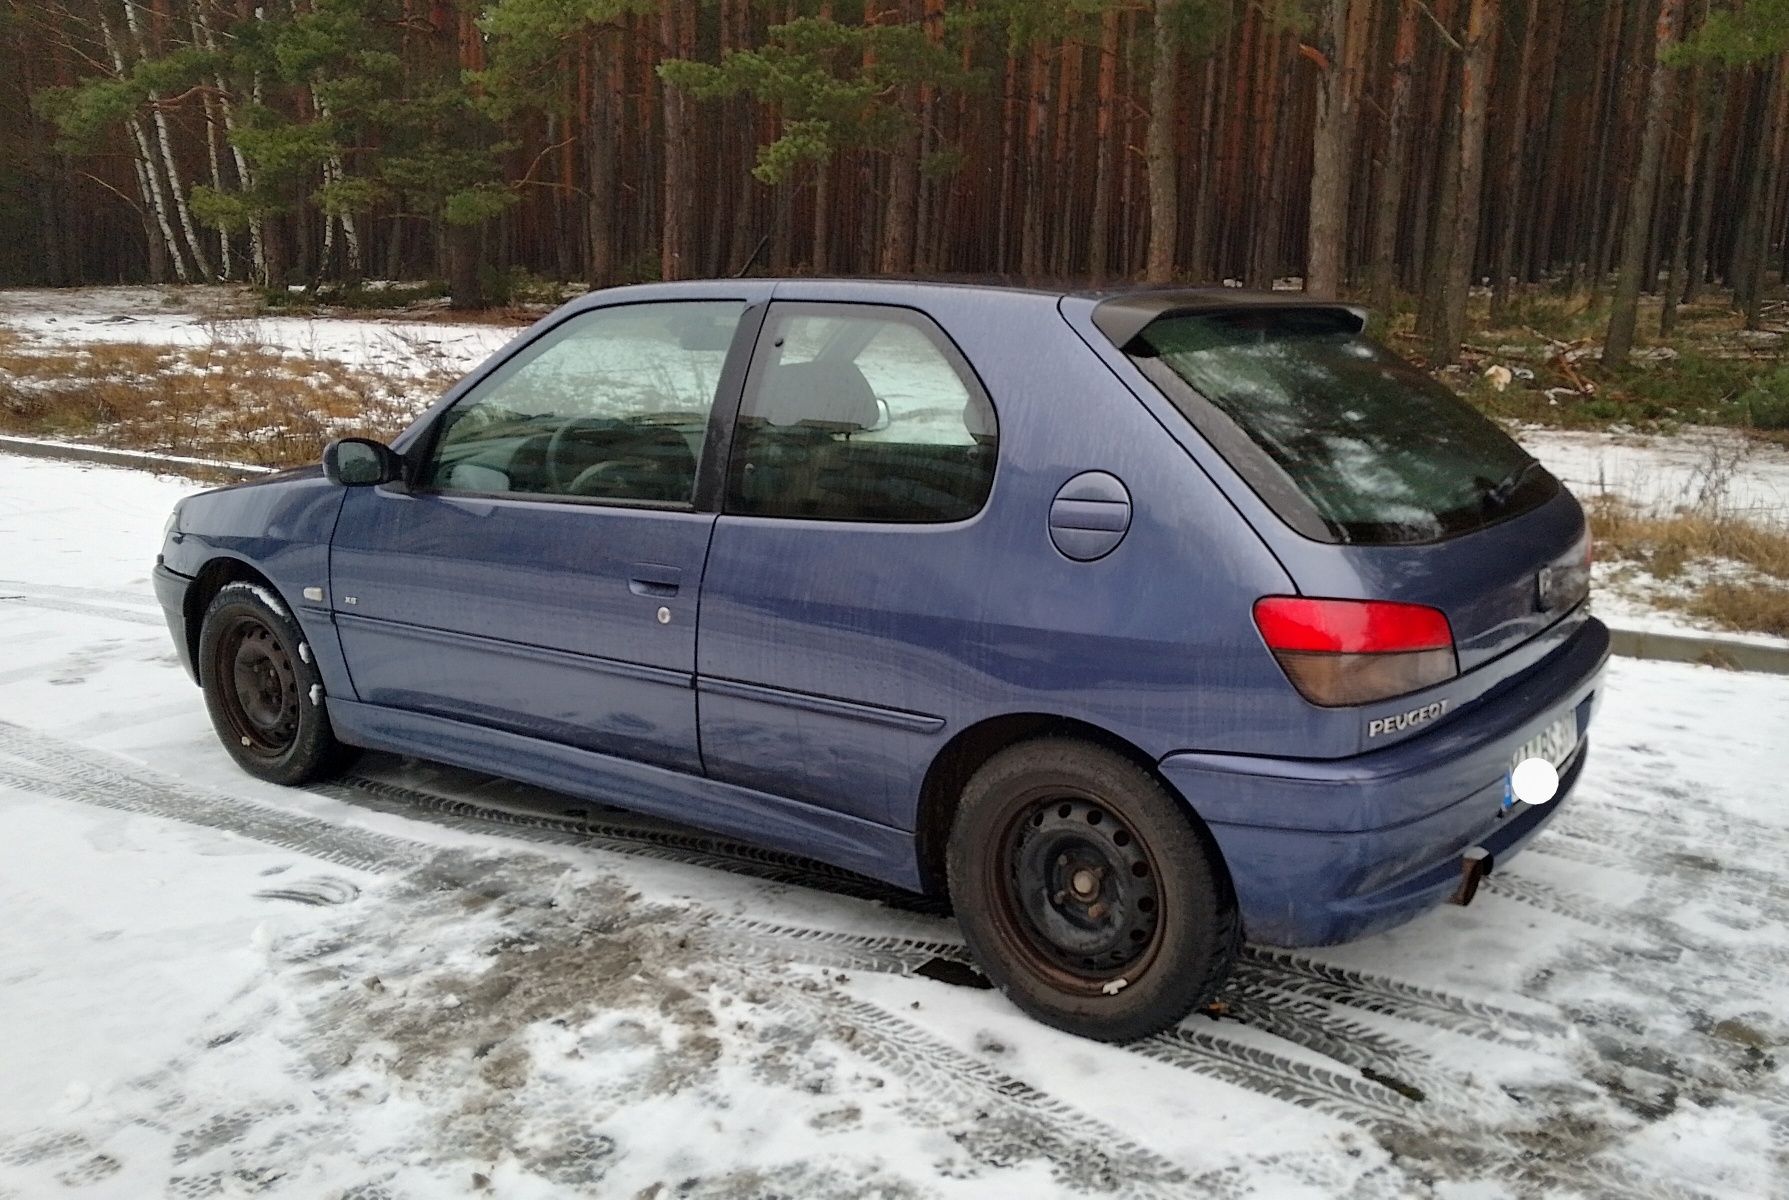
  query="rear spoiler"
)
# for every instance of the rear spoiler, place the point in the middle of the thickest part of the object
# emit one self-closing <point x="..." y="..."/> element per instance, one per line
<point x="1123" y="317"/>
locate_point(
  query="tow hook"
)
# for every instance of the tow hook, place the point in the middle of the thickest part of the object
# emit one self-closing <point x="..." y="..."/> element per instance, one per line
<point x="1475" y="864"/>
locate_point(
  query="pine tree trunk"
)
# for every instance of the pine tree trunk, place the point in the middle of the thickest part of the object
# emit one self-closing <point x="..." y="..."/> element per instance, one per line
<point x="1164" y="200"/>
<point x="1704" y="221"/>
<point x="1274" y="84"/>
<point x="1514" y="173"/>
<point x="1625" y="309"/>
<point x="1063" y="156"/>
<point x="1099" y="236"/>
<point x="465" y="279"/>
<point x="1329" y="157"/>
<point x="1754" y="250"/>
<point x="822" y="227"/>
<point x="1383" y="269"/>
<point x="1612" y="206"/>
<point x="1475" y="78"/>
<point x="1204" y="201"/>
<point x="1010" y="123"/>
<point x="1037" y="117"/>
<point x="1698" y="97"/>
<point x="1537" y="228"/>
<point x="674" y="205"/>
<point x="601" y="167"/>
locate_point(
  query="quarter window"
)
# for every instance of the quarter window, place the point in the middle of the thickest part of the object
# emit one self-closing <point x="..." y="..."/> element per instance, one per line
<point x="860" y="413"/>
<point x="611" y="405"/>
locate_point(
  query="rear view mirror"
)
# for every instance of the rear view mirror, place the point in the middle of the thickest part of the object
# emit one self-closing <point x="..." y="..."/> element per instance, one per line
<point x="361" y="462"/>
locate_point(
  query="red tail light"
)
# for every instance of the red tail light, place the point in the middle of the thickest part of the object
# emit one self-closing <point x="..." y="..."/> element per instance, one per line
<point x="1345" y="652"/>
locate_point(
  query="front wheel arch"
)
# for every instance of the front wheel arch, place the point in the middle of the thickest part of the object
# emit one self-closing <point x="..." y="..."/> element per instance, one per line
<point x="210" y="580"/>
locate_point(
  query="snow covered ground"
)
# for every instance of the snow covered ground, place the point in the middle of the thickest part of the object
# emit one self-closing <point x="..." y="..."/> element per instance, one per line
<point x="201" y="317"/>
<point x="1701" y="469"/>
<point x="419" y="982"/>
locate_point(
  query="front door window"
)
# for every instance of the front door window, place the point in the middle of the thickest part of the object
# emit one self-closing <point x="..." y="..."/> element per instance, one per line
<point x="612" y="405"/>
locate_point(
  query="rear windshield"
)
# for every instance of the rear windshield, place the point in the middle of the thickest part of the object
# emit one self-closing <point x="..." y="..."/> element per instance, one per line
<point x="1346" y="440"/>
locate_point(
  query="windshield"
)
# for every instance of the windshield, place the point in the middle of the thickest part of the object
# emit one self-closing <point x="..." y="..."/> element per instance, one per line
<point x="1381" y="452"/>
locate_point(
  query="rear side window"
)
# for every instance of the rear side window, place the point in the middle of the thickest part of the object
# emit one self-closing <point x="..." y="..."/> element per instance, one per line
<point x="1346" y="440"/>
<point x="860" y="413"/>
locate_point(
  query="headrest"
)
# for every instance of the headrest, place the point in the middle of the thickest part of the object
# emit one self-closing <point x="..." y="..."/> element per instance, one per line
<point x="829" y="394"/>
<point x="978" y="419"/>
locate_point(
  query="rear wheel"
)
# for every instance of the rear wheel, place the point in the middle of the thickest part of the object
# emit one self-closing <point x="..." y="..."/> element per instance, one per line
<point x="263" y="690"/>
<point x="1086" y="892"/>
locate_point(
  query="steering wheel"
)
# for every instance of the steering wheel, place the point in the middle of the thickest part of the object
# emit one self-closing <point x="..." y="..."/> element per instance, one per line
<point x="563" y="475"/>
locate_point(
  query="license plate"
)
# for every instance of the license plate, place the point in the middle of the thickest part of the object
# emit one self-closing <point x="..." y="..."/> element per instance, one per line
<point x="1555" y="743"/>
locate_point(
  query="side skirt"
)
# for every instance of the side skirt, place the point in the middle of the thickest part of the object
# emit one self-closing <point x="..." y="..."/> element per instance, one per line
<point x="877" y="851"/>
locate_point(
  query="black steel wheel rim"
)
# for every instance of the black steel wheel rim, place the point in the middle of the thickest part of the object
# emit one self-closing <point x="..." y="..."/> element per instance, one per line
<point x="257" y="686"/>
<point x="1078" y="894"/>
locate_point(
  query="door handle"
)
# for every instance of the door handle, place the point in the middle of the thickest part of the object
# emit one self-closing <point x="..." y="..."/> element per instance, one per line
<point x="654" y="579"/>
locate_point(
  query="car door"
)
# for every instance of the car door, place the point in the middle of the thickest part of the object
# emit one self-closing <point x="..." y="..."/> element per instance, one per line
<point x="541" y="572"/>
<point x="846" y="570"/>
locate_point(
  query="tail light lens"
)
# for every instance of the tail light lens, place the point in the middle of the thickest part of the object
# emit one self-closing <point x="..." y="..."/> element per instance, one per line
<point x="1347" y="652"/>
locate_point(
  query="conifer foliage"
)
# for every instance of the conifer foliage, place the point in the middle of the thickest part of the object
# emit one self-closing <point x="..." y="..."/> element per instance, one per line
<point x="1370" y="147"/>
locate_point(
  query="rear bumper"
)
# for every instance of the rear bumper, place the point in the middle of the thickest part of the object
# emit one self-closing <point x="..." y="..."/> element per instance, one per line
<point x="1325" y="851"/>
<point x="170" y="589"/>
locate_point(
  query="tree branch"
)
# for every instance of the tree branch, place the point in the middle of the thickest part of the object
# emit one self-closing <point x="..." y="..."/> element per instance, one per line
<point x="1450" y="39"/>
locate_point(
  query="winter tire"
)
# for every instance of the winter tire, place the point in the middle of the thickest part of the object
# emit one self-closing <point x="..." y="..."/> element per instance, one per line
<point x="263" y="689"/>
<point x="1087" y="893"/>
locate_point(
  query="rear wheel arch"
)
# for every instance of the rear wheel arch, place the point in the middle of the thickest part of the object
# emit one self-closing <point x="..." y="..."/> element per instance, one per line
<point x="965" y="753"/>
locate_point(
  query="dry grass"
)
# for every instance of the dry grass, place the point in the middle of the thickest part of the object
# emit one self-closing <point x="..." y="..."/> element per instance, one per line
<point x="237" y="401"/>
<point x="1665" y="544"/>
<point x="1756" y="608"/>
<point x="1748" y="562"/>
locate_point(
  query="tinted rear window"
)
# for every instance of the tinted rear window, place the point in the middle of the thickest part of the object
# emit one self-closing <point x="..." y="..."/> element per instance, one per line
<point x="1323" y="420"/>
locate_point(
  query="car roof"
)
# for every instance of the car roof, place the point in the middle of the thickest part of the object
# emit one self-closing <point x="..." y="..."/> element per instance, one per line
<point x="1120" y="311"/>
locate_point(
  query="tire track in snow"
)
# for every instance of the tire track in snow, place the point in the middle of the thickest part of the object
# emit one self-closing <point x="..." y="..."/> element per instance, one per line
<point x="1546" y="897"/>
<point x="951" y="1088"/>
<point x="91" y="776"/>
<point x="69" y="771"/>
<point x="1391" y="997"/>
<point x="63" y="605"/>
<point x="1597" y="839"/>
<point x="1282" y="969"/>
<point x="1012" y="1114"/>
<point x="1375" y="1094"/>
<point x="1686" y="824"/>
<point x="108" y="596"/>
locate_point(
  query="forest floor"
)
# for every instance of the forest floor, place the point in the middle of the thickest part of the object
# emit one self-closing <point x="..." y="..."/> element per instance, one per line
<point x="1690" y="497"/>
<point x="419" y="981"/>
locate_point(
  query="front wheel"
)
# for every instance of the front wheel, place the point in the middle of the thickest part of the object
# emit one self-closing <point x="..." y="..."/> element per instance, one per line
<point x="1086" y="892"/>
<point x="263" y="690"/>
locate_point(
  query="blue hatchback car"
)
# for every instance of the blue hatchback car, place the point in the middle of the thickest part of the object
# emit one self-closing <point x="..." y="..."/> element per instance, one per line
<point x="1135" y="623"/>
